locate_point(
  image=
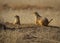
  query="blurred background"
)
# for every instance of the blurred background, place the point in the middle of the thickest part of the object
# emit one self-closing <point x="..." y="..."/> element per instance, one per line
<point x="26" y="8"/>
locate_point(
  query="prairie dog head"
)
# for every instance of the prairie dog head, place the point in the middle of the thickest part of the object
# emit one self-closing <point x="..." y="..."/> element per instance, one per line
<point x="17" y="20"/>
<point x="37" y="15"/>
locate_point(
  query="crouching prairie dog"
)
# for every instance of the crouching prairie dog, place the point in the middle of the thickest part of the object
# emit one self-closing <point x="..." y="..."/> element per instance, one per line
<point x="17" y="20"/>
<point x="41" y="21"/>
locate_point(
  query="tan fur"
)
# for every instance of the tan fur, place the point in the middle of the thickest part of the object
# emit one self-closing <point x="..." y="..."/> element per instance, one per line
<point x="17" y="20"/>
<point x="41" y="21"/>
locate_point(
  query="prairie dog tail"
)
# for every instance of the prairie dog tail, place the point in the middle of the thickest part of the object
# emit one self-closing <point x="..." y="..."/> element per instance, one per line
<point x="50" y="21"/>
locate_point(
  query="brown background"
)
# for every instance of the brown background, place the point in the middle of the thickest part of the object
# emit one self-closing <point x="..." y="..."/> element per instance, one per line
<point x="25" y="9"/>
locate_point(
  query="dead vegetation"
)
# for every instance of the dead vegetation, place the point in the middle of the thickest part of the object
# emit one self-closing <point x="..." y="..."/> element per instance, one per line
<point x="30" y="34"/>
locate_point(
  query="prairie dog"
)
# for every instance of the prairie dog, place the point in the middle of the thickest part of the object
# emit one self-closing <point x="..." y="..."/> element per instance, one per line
<point x="17" y="20"/>
<point x="41" y="21"/>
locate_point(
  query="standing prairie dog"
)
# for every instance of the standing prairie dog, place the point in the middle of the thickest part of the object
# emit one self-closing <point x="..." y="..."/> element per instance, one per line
<point x="17" y="20"/>
<point x="41" y="21"/>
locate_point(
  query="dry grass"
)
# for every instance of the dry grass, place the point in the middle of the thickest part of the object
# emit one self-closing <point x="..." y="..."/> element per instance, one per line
<point x="50" y="34"/>
<point x="30" y="33"/>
